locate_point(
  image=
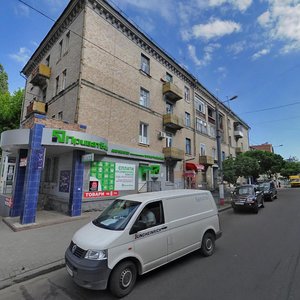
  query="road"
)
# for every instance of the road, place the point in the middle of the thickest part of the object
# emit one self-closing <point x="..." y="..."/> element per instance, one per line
<point x="256" y="258"/>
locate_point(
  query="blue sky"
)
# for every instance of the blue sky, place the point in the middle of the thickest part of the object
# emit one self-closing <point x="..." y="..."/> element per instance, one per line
<point x="234" y="47"/>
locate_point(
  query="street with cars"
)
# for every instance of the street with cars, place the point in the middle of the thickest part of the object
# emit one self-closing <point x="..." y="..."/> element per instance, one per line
<point x="256" y="258"/>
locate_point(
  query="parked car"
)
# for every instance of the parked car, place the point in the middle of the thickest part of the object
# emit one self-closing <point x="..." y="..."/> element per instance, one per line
<point x="247" y="197"/>
<point x="139" y="233"/>
<point x="269" y="190"/>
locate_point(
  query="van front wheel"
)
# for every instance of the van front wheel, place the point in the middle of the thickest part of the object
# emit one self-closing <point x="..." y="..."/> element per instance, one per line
<point x="122" y="279"/>
<point x="208" y="244"/>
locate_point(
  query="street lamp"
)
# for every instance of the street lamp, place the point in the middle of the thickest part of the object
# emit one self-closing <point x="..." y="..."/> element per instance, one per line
<point x="220" y="164"/>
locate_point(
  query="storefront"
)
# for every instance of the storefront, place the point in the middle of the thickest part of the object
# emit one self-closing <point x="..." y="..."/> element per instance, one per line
<point x="72" y="171"/>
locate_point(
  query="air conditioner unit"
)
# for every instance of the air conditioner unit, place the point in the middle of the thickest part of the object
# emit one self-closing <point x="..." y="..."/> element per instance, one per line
<point x="162" y="135"/>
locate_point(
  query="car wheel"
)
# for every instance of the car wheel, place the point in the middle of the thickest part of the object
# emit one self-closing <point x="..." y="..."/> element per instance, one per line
<point x="235" y="209"/>
<point x="123" y="279"/>
<point x="208" y="244"/>
<point x="255" y="209"/>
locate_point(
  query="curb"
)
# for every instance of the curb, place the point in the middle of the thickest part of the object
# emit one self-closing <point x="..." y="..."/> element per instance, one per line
<point x="32" y="273"/>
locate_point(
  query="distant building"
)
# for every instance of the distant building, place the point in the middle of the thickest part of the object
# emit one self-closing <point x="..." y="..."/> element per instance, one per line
<point x="263" y="147"/>
<point x="108" y="113"/>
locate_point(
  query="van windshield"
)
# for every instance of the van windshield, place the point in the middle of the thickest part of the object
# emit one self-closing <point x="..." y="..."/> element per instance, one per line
<point x="117" y="215"/>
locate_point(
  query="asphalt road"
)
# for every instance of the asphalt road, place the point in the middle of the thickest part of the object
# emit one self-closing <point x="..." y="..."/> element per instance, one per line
<point x="256" y="258"/>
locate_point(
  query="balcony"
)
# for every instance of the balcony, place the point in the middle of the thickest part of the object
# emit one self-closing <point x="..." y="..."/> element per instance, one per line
<point x="172" y="91"/>
<point x="36" y="107"/>
<point x="172" y="153"/>
<point x="40" y="74"/>
<point x="206" y="160"/>
<point x="173" y="121"/>
<point x="238" y="133"/>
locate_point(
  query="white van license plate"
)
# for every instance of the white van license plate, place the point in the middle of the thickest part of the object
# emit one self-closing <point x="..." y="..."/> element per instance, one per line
<point x="69" y="271"/>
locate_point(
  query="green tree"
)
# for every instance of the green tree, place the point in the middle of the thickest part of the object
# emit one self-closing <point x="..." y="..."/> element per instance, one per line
<point x="3" y="81"/>
<point x="290" y="168"/>
<point x="230" y="170"/>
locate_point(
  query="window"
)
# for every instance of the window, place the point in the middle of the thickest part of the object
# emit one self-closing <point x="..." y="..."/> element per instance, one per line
<point x="143" y="139"/>
<point x="60" y="49"/>
<point x="187" y="119"/>
<point x="56" y="86"/>
<point x="230" y="141"/>
<point x="188" y="146"/>
<point x="201" y="126"/>
<point x="48" y="61"/>
<point x="169" y="77"/>
<point x="145" y="64"/>
<point x="169" y="108"/>
<point x="144" y="97"/>
<point x="223" y="156"/>
<point x="186" y="94"/>
<point x="169" y="173"/>
<point x="212" y="131"/>
<point x="221" y="121"/>
<point x="228" y="123"/>
<point x="211" y="114"/>
<point x="151" y="215"/>
<point x="60" y="115"/>
<point x="199" y="104"/>
<point x="67" y="41"/>
<point x="44" y="93"/>
<point x="64" y="78"/>
<point x="169" y="139"/>
<point x="202" y="149"/>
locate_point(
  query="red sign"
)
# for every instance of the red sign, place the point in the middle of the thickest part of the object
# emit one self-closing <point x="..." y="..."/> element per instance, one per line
<point x="100" y="194"/>
<point x="9" y="202"/>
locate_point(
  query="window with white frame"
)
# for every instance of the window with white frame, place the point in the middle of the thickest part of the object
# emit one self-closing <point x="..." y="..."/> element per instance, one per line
<point x="169" y="173"/>
<point x="145" y="64"/>
<point x="186" y="94"/>
<point x="169" y="77"/>
<point x="64" y="79"/>
<point x="169" y="139"/>
<point x="60" y="49"/>
<point x="187" y="119"/>
<point x="56" y="86"/>
<point x="144" y="97"/>
<point x="188" y="146"/>
<point x="212" y="131"/>
<point x="202" y="149"/>
<point x="201" y="125"/>
<point x="199" y="104"/>
<point x="169" y="108"/>
<point x="143" y="137"/>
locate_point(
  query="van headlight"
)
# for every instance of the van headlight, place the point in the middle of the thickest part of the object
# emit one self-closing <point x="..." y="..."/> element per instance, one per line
<point x="96" y="254"/>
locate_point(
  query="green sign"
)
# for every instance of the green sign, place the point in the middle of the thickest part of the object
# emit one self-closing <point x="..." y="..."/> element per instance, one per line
<point x="136" y="154"/>
<point x="60" y="136"/>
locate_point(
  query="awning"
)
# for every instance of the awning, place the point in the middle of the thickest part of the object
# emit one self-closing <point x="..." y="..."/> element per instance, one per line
<point x="190" y="173"/>
<point x="195" y="167"/>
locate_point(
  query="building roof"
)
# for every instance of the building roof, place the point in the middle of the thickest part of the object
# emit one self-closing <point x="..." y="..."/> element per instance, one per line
<point x="263" y="147"/>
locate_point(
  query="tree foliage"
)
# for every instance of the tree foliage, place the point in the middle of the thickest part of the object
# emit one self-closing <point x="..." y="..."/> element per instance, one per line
<point x="252" y="164"/>
<point x="290" y="168"/>
<point x="3" y="81"/>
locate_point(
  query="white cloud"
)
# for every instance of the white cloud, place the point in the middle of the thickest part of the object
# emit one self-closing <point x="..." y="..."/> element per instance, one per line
<point x="260" y="53"/>
<point x="282" y="20"/>
<point x="215" y="29"/>
<point x="241" y="5"/>
<point x="22" y="56"/>
<point x="207" y="56"/>
<point x="237" y="48"/>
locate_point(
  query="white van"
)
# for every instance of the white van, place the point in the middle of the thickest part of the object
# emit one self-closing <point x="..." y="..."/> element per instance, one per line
<point x="141" y="232"/>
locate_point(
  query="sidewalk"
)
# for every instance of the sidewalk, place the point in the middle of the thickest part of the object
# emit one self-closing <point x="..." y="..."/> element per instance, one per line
<point x="32" y="250"/>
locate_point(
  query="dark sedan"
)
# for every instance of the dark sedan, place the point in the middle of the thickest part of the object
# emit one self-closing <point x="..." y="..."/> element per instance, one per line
<point x="269" y="190"/>
<point x="247" y="197"/>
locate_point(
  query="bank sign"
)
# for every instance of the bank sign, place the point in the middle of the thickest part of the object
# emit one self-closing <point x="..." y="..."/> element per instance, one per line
<point x="74" y="139"/>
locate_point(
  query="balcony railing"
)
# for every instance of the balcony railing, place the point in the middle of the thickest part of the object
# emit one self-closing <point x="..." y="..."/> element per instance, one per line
<point x="36" y="107"/>
<point x="206" y="160"/>
<point x="172" y="91"/>
<point x="40" y="74"/>
<point x="173" y="153"/>
<point x="173" y="121"/>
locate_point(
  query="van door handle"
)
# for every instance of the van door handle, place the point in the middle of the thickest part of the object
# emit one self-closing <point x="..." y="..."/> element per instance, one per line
<point x="165" y="227"/>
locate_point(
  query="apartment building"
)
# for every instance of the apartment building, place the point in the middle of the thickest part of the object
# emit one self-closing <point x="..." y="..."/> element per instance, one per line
<point x="106" y="113"/>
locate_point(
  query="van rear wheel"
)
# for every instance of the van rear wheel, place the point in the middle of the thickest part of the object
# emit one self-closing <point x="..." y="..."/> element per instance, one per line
<point x="208" y="244"/>
<point x="123" y="279"/>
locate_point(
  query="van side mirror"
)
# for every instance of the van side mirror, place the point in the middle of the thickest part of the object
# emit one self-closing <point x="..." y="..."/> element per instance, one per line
<point x="137" y="226"/>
